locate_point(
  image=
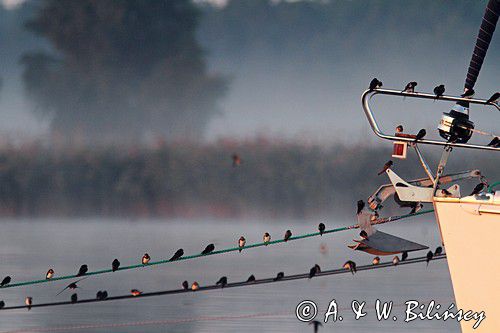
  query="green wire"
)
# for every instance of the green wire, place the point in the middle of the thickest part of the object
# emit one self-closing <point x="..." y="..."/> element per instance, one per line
<point x="231" y="249"/>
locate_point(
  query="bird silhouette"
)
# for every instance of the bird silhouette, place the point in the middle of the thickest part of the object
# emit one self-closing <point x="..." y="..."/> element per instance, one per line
<point x="410" y="87"/>
<point x="494" y="98"/>
<point x="420" y="135"/>
<point x="29" y="302"/>
<point x="395" y="260"/>
<point x="438" y="251"/>
<point x="71" y="286"/>
<point x="50" y="274"/>
<point x="2" y="304"/>
<point x="439" y="91"/>
<point x="314" y="270"/>
<point x="316" y="324"/>
<point x="363" y="234"/>
<point x="399" y="129"/>
<point x="321" y="228"/>
<point x="376" y="261"/>
<point x="179" y="253"/>
<point x="241" y="243"/>
<point x="185" y="285"/>
<point x="387" y="166"/>
<point x="416" y="207"/>
<point x="479" y="187"/>
<point x="145" y="259"/>
<point x="208" y="249"/>
<point x="361" y="205"/>
<point x="251" y="278"/>
<point x="266" y="238"/>
<point x="135" y="292"/>
<point x="83" y="270"/>
<point x="429" y="257"/>
<point x="375" y="84"/>
<point x="115" y="265"/>
<point x="350" y="265"/>
<point x="495" y="142"/>
<point x="101" y="295"/>
<point x="6" y="280"/>
<point x="288" y="234"/>
<point x="468" y="93"/>
<point x="236" y="160"/>
<point x="404" y="256"/>
<point x="279" y="276"/>
<point x="74" y="298"/>
<point x="445" y="192"/>
<point x="222" y="282"/>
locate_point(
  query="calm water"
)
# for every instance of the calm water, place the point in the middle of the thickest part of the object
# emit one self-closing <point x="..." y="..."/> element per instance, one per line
<point x="29" y="247"/>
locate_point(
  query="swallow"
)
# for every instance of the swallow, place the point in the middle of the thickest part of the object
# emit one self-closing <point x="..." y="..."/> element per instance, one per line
<point x="376" y="261"/>
<point x="115" y="265"/>
<point x="222" y="282"/>
<point x="266" y="238"/>
<point x="2" y="304"/>
<point x="101" y="295"/>
<point x="404" y="256"/>
<point x="98" y="295"/>
<point x="236" y="160"/>
<point x="251" y="278"/>
<point x="363" y="234"/>
<point x="178" y="254"/>
<point x="420" y="135"/>
<point x="321" y="228"/>
<point x="439" y="91"/>
<point x="375" y="84"/>
<point x="74" y="298"/>
<point x="395" y="260"/>
<point x="495" y="142"/>
<point x="208" y="249"/>
<point x="241" y="243"/>
<point x="288" y="234"/>
<point x="71" y="286"/>
<point x="350" y="265"/>
<point x="314" y="270"/>
<point x="195" y="286"/>
<point x="494" y="98"/>
<point x="361" y="205"/>
<point x="6" y="280"/>
<point x="399" y="129"/>
<point x="429" y="257"/>
<point x="468" y="93"/>
<point x="135" y="292"/>
<point x="83" y="270"/>
<point x="316" y="324"/>
<point x="479" y="187"/>
<point x="416" y="207"/>
<point x="279" y="276"/>
<point x="185" y="285"/>
<point x="438" y="251"/>
<point x="50" y="274"/>
<point x="410" y="87"/>
<point x="145" y="259"/>
<point x="387" y="166"/>
<point x="446" y="193"/>
<point x="29" y="302"/>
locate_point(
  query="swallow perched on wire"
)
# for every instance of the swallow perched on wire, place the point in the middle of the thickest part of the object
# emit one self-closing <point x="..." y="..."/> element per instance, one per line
<point x="6" y="280"/>
<point x="135" y="292"/>
<point x="115" y="265"/>
<point x="376" y="261"/>
<point x="416" y="207"/>
<point x="288" y="234"/>
<point x="241" y="243"/>
<point x="429" y="257"/>
<point x="314" y="270"/>
<point x="50" y="274"/>
<point x="446" y="193"/>
<point x="222" y="282"/>
<point x="185" y="285"/>
<point x="101" y="295"/>
<point x="208" y="249"/>
<point x="495" y="142"/>
<point x="420" y="135"/>
<point x="71" y="286"/>
<point x="236" y="160"/>
<point x="375" y="84"/>
<point x="439" y="91"/>
<point x="29" y="302"/>
<point x="468" y="93"/>
<point x="361" y="205"/>
<point x="438" y="251"/>
<point x="410" y="87"/>
<point x="494" y="98"/>
<point x="279" y="276"/>
<point x="350" y="265"/>
<point x="74" y="298"/>
<point x="404" y="256"/>
<point x="387" y="166"/>
<point x="195" y="286"/>
<point x="479" y="187"/>
<point x="145" y="259"/>
<point x="399" y="129"/>
<point x="83" y="270"/>
<point x="266" y="238"/>
<point x="395" y="260"/>
<point x="363" y="234"/>
<point x="321" y="228"/>
<point x="251" y="278"/>
<point x="179" y="253"/>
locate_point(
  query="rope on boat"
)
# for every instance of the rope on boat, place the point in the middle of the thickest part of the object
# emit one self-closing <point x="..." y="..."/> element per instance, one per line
<point x="231" y="285"/>
<point x="231" y="249"/>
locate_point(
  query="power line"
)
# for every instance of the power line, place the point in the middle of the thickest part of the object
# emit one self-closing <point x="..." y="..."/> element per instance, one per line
<point x="230" y="285"/>
<point x="232" y="249"/>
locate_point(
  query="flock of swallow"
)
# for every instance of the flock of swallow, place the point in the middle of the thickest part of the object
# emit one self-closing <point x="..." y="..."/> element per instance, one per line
<point x="439" y="92"/>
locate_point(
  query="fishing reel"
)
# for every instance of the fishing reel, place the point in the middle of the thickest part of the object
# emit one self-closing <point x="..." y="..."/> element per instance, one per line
<point x="455" y="125"/>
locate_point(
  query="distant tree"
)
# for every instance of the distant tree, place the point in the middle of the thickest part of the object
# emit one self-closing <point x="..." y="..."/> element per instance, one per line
<point x="122" y="69"/>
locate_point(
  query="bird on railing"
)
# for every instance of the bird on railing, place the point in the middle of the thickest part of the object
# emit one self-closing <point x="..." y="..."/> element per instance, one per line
<point x="266" y="238"/>
<point x="439" y="91"/>
<point x="222" y="282"/>
<point x="429" y="257"/>
<point x="185" y="285"/>
<point x="29" y="302"/>
<point x="74" y="298"/>
<point x="50" y="274"/>
<point x="375" y="84"/>
<point x="115" y="265"/>
<point x="351" y="266"/>
<point x="279" y="276"/>
<point x="241" y="243"/>
<point x="179" y="253"/>
<point x="404" y="256"/>
<point x="410" y="87"/>
<point x="321" y="228"/>
<point x="494" y="98"/>
<point x="6" y="280"/>
<point x="208" y="249"/>
<point x="83" y="270"/>
<point x="145" y="259"/>
<point x="288" y="234"/>
<point x="387" y="166"/>
<point x="376" y="261"/>
<point x="251" y="278"/>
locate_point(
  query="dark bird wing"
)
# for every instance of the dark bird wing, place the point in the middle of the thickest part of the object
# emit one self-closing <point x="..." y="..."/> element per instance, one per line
<point x="494" y="97"/>
<point x="495" y="142"/>
<point x="69" y="285"/>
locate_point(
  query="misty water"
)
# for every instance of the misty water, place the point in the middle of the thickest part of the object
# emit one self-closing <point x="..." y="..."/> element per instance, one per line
<point x="29" y="247"/>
